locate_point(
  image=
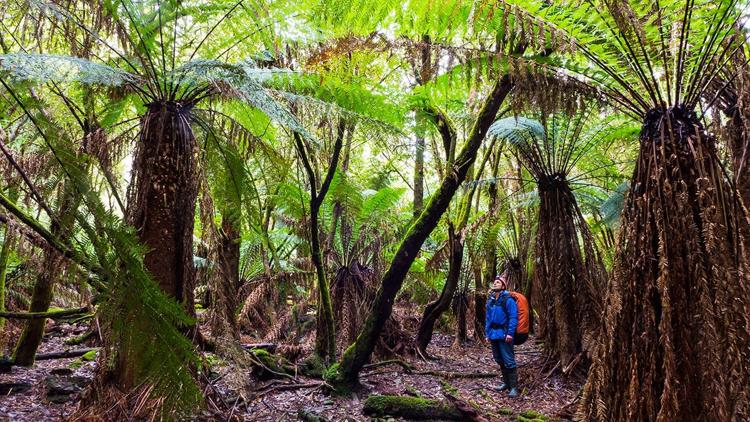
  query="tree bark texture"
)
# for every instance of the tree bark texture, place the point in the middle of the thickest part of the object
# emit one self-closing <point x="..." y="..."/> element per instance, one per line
<point x="163" y="197"/>
<point x="435" y="309"/>
<point x="162" y="202"/>
<point x="677" y="323"/>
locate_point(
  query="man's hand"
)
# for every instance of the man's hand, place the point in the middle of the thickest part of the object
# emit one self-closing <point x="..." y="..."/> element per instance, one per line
<point x="508" y="339"/>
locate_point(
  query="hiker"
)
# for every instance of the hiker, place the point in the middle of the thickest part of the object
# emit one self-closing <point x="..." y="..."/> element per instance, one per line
<point x="500" y="328"/>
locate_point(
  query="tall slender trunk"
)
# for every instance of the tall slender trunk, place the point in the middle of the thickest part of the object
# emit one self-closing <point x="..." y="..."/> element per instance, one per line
<point x="356" y="356"/>
<point x="418" y="176"/>
<point x="482" y="284"/>
<point x="325" y="337"/>
<point x="338" y="208"/>
<point x="8" y="240"/>
<point x="434" y="310"/>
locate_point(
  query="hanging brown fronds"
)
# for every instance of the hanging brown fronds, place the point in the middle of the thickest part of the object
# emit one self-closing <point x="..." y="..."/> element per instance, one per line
<point x="676" y="317"/>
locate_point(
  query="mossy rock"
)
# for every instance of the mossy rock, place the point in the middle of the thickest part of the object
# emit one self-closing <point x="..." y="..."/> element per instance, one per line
<point x="411" y="408"/>
<point x="533" y="415"/>
<point x="313" y="366"/>
<point x="272" y="365"/>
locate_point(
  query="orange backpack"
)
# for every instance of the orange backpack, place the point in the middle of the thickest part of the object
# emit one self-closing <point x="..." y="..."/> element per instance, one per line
<point x="523" y="316"/>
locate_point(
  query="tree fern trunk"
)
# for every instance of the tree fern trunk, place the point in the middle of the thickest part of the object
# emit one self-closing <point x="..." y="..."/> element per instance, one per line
<point x="676" y="316"/>
<point x="226" y="300"/>
<point x="163" y="194"/>
<point x="569" y="273"/>
<point x="461" y="325"/>
<point x="739" y="146"/>
<point x="346" y="375"/>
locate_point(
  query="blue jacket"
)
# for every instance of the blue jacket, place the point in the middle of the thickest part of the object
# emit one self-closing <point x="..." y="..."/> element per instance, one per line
<point x="497" y="323"/>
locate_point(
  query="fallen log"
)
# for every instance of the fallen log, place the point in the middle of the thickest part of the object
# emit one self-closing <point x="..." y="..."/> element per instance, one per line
<point x="65" y="354"/>
<point x="269" y="347"/>
<point x="409" y="369"/>
<point x="63" y="313"/>
<point x="416" y="408"/>
<point x="454" y="375"/>
<point x="310" y="416"/>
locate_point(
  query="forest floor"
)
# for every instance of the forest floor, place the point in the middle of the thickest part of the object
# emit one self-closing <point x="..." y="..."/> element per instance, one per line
<point x="543" y="392"/>
<point x="49" y="390"/>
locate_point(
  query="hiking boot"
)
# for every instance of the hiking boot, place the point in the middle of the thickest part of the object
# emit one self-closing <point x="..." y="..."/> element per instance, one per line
<point x="513" y="382"/>
<point x="506" y="382"/>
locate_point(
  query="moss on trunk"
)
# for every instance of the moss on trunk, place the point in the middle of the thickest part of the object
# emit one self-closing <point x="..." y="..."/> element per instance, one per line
<point x="434" y="310"/>
<point x="4" y="258"/>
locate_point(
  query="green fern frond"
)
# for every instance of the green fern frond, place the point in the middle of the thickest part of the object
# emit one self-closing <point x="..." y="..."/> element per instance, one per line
<point x="57" y="68"/>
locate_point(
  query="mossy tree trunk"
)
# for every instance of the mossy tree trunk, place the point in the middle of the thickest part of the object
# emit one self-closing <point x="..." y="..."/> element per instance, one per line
<point x="435" y="309"/>
<point x="8" y="240"/>
<point x="325" y="338"/>
<point x="346" y="374"/>
<point x="418" y="203"/>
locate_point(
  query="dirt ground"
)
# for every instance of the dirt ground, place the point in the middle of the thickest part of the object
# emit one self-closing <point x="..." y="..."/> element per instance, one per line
<point x="541" y="391"/>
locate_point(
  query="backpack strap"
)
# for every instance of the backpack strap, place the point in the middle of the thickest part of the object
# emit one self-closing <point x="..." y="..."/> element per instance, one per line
<point x="504" y="305"/>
